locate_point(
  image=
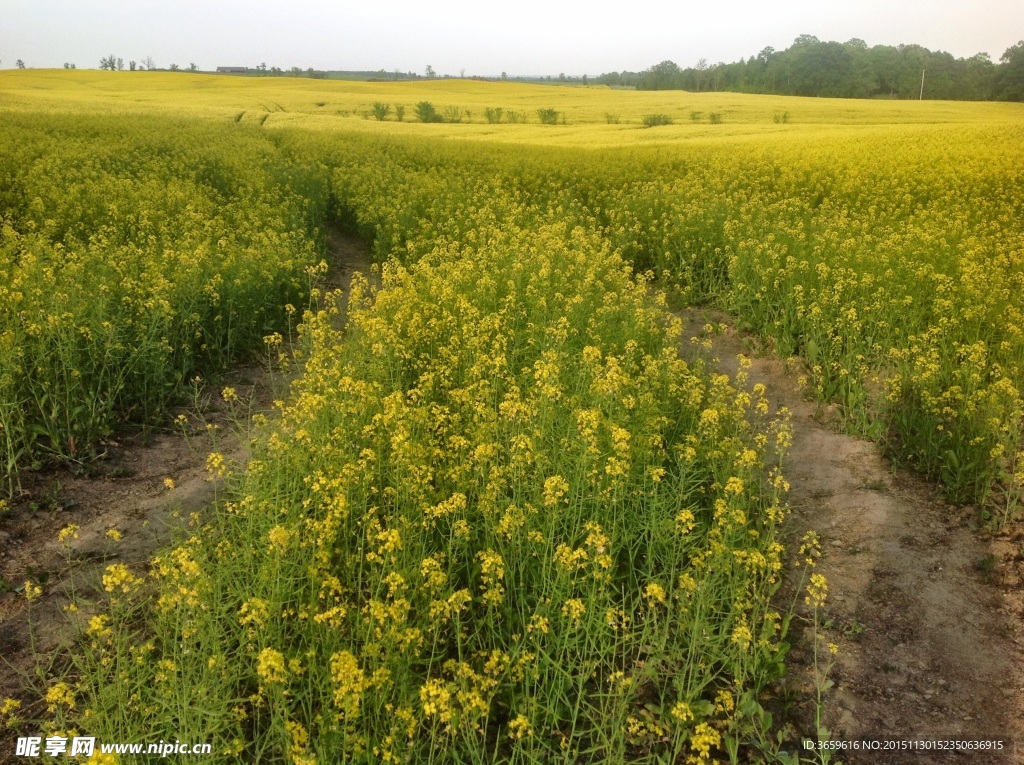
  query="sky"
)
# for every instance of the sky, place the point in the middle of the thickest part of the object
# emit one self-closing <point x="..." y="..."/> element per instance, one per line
<point x="456" y="37"/>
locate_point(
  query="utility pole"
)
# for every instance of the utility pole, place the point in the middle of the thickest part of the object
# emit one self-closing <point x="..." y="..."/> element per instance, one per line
<point x="921" y="96"/>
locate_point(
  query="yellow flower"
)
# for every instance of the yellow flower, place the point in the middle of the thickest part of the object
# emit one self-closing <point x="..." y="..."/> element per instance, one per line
<point x="60" y="695"/>
<point x="118" y="577"/>
<point x="436" y="698"/>
<point x="817" y="591"/>
<point x="574" y="609"/>
<point x="520" y="728"/>
<point x="270" y="666"/>
<point x="216" y="465"/>
<point x="492" y="567"/>
<point x="253" y="612"/>
<point x="703" y="738"/>
<point x="654" y="593"/>
<point x="734" y="486"/>
<point x="299" y="736"/>
<point x="742" y="636"/>
<point x="724" y="701"/>
<point x="682" y="712"/>
<point x="99" y="627"/>
<point x="279" y="538"/>
<point x="349" y="683"/>
<point x="8" y="714"/>
<point x="537" y="623"/>
<point x="685" y="521"/>
<point x="102" y="758"/>
<point x="555" y="488"/>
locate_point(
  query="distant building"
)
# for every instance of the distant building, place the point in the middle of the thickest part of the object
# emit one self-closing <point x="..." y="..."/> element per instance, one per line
<point x="232" y="69"/>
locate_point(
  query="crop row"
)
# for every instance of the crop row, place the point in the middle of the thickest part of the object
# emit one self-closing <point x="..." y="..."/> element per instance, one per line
<point x="499" y="518"/>
<point x="133" y="257"/>
<point x="892" y="261"/>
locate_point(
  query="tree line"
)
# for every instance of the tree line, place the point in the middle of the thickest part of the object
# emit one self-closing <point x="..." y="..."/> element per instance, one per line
<point x="811" y="67"/>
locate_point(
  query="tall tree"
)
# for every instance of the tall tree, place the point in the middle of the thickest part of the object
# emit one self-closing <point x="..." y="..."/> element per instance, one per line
<point x="1010" y="82"/>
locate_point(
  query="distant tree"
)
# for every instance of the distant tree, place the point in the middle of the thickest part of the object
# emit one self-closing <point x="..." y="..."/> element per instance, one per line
<point x="20" y="64"/>
<point x="978" y="77"/>
<point x="120" y="64"/>
<point x="149" y="63"/>
<point x="109" y="63"/>
<point x="431" y="74"/>
<point x="701" y="78"/>
<point x="663" y="76"/>
<point x="174" y="67"/>
<point x="1010" y="80"/>
<point x="69" y="65"/>
<point x="504" y="75"/>
<point x="193" y="68"/>
<point x="132" y="66"/>
<point x="806" y="40"/>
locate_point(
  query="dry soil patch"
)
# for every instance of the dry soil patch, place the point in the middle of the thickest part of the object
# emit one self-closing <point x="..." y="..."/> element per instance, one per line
<point x="925" y="607"/>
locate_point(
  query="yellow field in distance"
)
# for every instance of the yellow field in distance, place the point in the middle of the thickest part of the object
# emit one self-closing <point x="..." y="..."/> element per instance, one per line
<point x="593" y="116"/>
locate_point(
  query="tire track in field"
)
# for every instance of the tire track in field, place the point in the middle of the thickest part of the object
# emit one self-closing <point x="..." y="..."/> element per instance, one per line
<point x="928" y="642"/>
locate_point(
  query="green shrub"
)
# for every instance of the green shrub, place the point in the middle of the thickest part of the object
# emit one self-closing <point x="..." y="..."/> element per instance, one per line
<point x="493" y="115"/>
<point x="548" y="116"/>
<point x="381" y="111"/>
<point x="427" y="113"/>
<point x="654" y="120"/>
<point x="453" y="114"/>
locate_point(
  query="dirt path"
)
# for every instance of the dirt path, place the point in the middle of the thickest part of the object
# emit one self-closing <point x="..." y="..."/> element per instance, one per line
<point x="126" y="492"/>
<point x="925" y="608"/>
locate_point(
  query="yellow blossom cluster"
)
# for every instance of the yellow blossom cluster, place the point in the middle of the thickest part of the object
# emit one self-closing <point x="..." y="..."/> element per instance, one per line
<point x="176" y="249"/>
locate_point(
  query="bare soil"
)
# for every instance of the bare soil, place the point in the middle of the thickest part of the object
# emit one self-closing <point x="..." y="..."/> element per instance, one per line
<point x="924" y="605"/>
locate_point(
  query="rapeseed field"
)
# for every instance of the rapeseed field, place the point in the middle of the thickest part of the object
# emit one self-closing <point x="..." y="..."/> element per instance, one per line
<point x="498" y="518"/>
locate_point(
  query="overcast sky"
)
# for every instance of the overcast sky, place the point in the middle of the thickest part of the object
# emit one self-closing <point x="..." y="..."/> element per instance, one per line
<point x="530" y="37"/>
